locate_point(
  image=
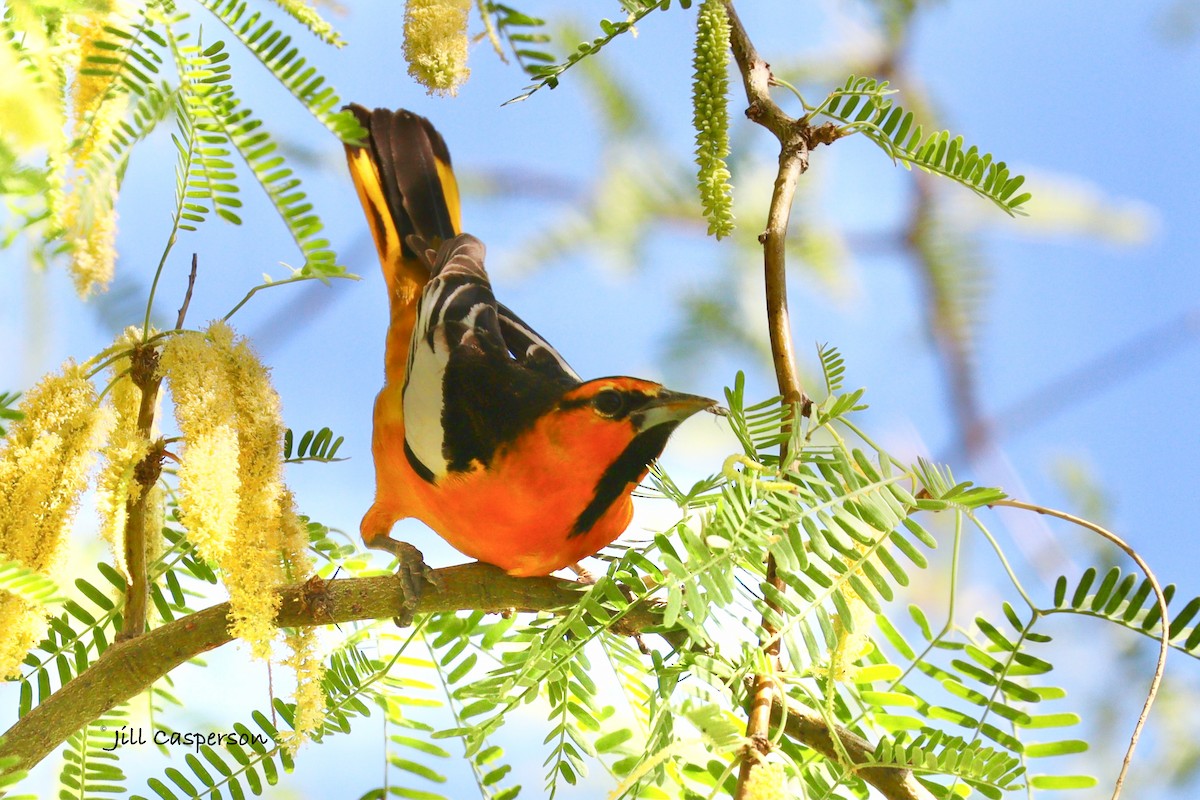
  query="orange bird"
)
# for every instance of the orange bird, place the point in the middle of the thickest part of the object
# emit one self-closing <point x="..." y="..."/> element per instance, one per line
<point x="482" y="430"/>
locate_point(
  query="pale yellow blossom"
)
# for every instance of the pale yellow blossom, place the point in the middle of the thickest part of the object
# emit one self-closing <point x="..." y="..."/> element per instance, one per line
<point x="87" y="213"/>
<point x="233" y="502"/>
<point x="852" y="641"/>
<point x="436" y="44"/>
<point x="309" y="667"/>
<point x="767" y="782"/>
<point x="84" y="29"/>
<point x="23" y="625"/>
<point x="297" y="559"/>
<point x="305" y="660"/>
<point x="259" y="529"/>
<point x="30" y="117"/>
<point x="156" y="512"/>
<point x="44" y="463"/>
<point x="90" y="225"/>
<point x="195" y="370"/>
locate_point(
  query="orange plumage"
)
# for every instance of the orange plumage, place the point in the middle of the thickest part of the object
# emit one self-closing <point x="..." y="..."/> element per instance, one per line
<point x="507" y="454"/>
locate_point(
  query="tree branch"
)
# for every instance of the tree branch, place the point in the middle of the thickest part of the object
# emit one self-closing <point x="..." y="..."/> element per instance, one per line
<point x="796" y="139"/>
<point x="793" y="161"/>
<point x="128" y="667"/>
<point x="144" y="374"/>
<point x="807" y="726"/>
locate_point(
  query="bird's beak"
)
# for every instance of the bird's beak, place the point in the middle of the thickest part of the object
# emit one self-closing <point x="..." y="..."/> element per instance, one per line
<point x="669" y="407"/>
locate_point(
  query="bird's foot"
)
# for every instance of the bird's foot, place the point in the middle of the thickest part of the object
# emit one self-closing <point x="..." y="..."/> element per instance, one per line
<point x="582" y="572"/>
<point x="413" y="574"/>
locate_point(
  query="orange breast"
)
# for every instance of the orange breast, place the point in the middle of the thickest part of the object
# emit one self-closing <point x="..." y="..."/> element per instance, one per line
<point x="518" y="513"/>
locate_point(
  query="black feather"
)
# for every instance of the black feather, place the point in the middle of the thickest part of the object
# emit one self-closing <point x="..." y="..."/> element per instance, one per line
<point x="406" y="147"/>
<point x="489" y="397"/>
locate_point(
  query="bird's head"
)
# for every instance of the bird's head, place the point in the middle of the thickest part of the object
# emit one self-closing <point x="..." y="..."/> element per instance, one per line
<point x="615" y="427"/>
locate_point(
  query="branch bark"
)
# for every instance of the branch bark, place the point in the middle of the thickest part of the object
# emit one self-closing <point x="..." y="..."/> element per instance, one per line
<point x="793" y="161"/>
<point x="128" y="667"/>
<point x="805" y="725"/>
<point x="137" y="511"/>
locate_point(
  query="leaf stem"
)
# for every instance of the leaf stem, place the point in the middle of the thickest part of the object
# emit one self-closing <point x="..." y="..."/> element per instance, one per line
<point x="1164" y="639"/>
<point x="296" y="278"/>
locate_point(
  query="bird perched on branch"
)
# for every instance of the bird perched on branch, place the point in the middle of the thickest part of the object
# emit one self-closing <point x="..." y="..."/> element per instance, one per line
<point x="482" y="430"/>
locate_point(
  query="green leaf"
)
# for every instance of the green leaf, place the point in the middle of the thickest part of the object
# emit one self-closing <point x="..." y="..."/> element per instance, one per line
<point x="1063" y="748"/>
<point x="937" y="153"/>
<point x="613" y="740"/>
<point x="1059" y="782"/>
<point x="548" y="75"/>
<point x="275" y="52"/>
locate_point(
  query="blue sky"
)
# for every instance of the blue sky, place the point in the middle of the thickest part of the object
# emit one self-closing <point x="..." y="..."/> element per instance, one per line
<point x="1089" y="91"/>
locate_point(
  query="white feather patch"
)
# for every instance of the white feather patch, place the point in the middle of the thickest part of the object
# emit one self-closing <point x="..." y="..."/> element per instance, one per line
<point x="423" y="403"/>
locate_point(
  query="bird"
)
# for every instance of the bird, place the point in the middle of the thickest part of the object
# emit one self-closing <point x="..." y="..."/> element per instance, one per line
<point x="482" y="430"/>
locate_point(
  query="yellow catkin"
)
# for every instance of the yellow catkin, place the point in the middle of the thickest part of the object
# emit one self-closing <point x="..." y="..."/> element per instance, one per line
<point x="851" y="645"/>
<point x="232" y="497"/>
<point x="91" y="88"/>
<point x="710" y="116"/>
<point x="156" y="514"/>
<point x="195" y="370"/>
<point x="767" y="782"/>
<point x="49" y="54"/>
<point x="126" y="447"/>
<point x="89" y="220"/>
<point x="44" y="463"/>
<point x="297" y="559"/>
<point x="85" y="28"/>
<point x="28" y="107"/>
<point x="309" y="667"/>
<point x="259" y="535"/>
<point x="88" y="214"/>
<point x="436" y="44"/>
<point x="305" y="661"/>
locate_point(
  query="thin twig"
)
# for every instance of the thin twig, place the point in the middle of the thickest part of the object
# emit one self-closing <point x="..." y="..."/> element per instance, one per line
<point x="793" y="161"/>
<point x="187" y="297"/>
<point x="794" y="140"/>
<point x="1164" y="639"/>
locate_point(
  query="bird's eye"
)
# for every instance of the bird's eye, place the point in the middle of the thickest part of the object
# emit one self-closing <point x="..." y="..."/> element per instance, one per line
<point x="609" y="402"/>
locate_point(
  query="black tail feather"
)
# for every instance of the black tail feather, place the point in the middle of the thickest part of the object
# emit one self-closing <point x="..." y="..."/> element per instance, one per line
<point x="407" y="150"/>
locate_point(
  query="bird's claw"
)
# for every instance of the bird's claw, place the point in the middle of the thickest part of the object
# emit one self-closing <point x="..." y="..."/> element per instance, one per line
<point x="413" y="575"/>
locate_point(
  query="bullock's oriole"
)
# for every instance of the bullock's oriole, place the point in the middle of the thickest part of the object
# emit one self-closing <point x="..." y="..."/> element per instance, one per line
<point x="482" y="430"/>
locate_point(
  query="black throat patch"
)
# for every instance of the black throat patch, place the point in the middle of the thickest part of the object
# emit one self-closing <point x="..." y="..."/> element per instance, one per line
<point x="638" y="454"/>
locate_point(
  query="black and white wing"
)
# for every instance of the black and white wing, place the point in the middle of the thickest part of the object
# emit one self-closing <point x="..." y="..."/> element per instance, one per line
<point x="530" y="349"/>
<point x="477" y="374"/>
